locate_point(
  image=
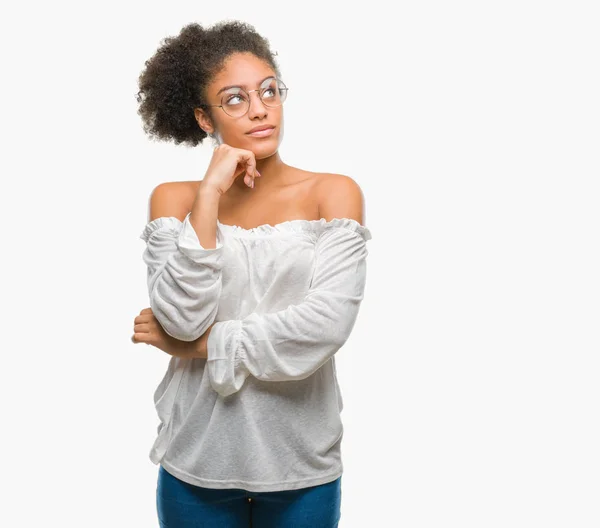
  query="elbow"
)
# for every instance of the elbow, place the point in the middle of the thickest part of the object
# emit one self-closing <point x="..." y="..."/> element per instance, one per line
<point x="179" y="324"/>
<point x="181" y="332"/>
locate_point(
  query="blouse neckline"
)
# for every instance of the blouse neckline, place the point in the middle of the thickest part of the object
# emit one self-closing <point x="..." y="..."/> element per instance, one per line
<point x="298" y="225"/>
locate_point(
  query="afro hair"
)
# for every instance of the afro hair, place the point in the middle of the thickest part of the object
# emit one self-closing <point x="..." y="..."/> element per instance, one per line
<point x="175" y="78"/>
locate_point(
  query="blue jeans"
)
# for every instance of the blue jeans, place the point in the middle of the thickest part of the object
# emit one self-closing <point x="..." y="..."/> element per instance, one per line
<point x="183" y="505"/>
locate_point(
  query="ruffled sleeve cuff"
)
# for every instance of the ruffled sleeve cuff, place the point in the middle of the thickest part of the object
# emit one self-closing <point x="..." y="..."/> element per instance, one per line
<point x="189" y="244"/>
<point x="164" y="224"/>
<point x="225" y="357"/>
<point x="348" y="224"/>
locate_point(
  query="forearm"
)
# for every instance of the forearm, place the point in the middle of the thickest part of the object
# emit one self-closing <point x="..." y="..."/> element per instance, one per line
<point x="283" y="346"/>
<point x="183" y="349"/>
<point x="203" y="216"/>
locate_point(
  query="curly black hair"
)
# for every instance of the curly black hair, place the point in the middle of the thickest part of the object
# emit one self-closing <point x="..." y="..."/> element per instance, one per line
<point x="174" y="80"/>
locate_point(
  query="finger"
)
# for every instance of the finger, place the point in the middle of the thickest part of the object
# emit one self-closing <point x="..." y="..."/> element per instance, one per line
<point x="141" y="328"/>
<point x="146" y="318"/>
<point x="138" y="337"/>
<point x="146" y="311"/>
<point x="251" y="172"/>
<point x="239" y="170"/>
<point x="247" y="158"/>
<point x="143" y="337"/>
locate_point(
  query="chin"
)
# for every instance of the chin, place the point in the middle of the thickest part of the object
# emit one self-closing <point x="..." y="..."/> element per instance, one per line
<point x="264" y="151"/>
<point x="264" y="148"/>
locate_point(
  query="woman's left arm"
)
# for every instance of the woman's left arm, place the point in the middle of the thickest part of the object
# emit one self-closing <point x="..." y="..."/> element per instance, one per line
<point x="293" y="343"/>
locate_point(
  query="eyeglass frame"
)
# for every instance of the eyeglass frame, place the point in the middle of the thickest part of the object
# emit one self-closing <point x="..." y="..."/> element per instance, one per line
<point x="248" y="92"/>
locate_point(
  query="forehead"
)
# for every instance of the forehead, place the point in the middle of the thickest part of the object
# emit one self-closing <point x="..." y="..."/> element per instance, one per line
<point x="241" y="69"/>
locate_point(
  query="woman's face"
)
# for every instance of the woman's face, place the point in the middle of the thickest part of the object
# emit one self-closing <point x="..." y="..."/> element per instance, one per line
<point x="243" y="70"/>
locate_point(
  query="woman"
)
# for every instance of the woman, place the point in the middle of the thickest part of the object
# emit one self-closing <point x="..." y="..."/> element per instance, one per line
<point x="255" y="277"/>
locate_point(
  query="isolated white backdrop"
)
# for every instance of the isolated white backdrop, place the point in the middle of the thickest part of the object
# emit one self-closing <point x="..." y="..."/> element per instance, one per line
<point x="470" y="380"/>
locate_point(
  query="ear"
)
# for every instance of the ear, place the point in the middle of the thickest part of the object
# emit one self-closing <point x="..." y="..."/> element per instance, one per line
<point x="204" y="120"/>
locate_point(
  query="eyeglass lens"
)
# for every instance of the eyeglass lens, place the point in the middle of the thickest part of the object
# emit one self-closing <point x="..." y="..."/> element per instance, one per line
<point x="236" y="101"/>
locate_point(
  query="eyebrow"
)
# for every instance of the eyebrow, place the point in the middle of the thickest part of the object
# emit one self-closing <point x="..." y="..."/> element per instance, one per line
<point x="244" y="86"/>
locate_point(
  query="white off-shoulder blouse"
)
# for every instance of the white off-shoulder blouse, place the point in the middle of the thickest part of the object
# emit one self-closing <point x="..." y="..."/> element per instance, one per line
<point x="262" y="412"/>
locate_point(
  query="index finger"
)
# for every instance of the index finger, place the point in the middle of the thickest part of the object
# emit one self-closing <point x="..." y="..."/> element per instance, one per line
<point x="247" y="156"/>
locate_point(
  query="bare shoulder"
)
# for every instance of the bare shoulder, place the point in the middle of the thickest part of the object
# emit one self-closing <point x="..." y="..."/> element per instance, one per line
<point x="172" y="199"/>
<point x="339" y="196"/>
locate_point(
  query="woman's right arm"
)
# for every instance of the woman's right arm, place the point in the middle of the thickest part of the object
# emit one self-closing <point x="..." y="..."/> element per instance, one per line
<point x="184" y="259"/>
<point x="183" y="253"/>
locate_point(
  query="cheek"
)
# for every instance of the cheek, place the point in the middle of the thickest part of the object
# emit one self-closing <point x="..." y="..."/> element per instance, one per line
<point x="231" y="135"/>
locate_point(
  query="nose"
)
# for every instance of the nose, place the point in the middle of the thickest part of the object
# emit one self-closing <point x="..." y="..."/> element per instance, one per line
<point x="257" y="108"/>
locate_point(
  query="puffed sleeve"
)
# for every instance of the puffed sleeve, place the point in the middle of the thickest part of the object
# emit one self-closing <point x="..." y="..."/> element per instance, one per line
<point x="184" y="279"/>
<point x="293" y="343"/>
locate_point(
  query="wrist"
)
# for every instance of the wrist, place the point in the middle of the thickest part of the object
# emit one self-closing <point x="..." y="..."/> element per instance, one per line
<point x="207" y="191"/>
<point x="182" y="349"/>
<point x="195" y="349"/>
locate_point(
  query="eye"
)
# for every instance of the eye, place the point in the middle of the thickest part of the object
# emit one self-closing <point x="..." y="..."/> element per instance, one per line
<point x="269" y="93"/>
<point x="231" y="100"/>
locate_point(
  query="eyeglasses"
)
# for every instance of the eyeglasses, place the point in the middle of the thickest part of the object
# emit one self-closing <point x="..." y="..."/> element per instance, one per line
<point x="235" y="102"/>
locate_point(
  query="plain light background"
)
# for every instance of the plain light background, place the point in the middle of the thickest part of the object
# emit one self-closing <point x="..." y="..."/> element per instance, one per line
<point x="470" y="381"/>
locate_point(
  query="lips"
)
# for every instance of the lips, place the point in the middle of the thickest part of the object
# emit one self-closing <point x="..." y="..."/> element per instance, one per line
<point x="261" y="132"/>
<point x="260" y="129"/>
